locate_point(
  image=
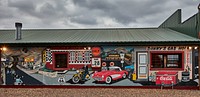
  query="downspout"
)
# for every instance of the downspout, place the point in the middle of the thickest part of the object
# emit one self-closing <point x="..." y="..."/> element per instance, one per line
<point x="198" y="31"/>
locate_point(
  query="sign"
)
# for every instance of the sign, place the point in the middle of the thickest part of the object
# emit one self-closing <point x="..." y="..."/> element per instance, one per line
<point x="61" y="80"/>
<point x="166" y="48"/>
<point x="166" y="78"/>
<point x="96" y="62"/>
<point x="96" y="51"/>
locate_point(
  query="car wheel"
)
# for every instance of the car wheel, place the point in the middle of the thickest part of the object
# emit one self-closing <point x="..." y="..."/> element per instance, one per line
<point x="129" y="75"/>
<point x="124" y="75"/>
<point x="108" y="80"/>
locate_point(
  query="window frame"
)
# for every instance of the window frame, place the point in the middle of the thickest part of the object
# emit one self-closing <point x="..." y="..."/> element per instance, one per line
<point x="72" y="56"/>
<point x="167" y="53"/>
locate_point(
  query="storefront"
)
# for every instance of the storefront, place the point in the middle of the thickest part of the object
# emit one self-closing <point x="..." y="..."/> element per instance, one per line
<point x="111" y="57"/>
<point x="170" y="59"/>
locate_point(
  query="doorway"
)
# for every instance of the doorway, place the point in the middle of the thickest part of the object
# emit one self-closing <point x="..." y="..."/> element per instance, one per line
<point x="61" y="60"/>
<point x="142" y="66"/>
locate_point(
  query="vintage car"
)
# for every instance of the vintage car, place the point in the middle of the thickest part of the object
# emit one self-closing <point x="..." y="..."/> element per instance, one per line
<point x="109" y="75"/>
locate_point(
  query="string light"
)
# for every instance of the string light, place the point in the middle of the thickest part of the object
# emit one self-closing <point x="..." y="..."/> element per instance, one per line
<point x="190" y="47"/>
<point x="4" y="49"/>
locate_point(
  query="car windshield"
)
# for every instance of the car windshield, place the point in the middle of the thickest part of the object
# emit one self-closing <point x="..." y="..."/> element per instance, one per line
<point x="104" y="68"/>
<point x="114" y="69"/>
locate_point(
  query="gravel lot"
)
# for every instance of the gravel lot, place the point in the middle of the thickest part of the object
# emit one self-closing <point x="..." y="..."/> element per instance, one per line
<point x="96" y="92"/>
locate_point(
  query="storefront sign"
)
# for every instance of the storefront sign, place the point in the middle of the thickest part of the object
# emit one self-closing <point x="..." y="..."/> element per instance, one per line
<point x="188" y="57"/>
<point x="96" y="51"/>
<point x="165" y="78"/>
<point x="166" y="48"/>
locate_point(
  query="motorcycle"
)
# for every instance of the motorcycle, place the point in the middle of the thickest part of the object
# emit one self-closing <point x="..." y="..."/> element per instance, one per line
<point x="79" y="76"/>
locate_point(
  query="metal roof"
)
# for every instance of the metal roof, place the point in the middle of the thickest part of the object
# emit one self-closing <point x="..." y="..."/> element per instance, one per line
<point x="95" y="35"/>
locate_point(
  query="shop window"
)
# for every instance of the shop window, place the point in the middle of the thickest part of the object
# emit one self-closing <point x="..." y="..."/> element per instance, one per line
<point x="87" y="56"/>
<point x="80" y="56"/>
<point x="61" y="60"/>
<point x="167" y="60"/>
<point x="72" y="56"/>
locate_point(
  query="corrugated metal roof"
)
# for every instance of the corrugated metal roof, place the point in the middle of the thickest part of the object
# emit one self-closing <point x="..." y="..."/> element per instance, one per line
<point x="95" y="35"/>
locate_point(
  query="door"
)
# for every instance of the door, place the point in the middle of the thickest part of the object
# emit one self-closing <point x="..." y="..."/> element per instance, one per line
<point x="142" y="65"/>
<point x="61" y="60"/>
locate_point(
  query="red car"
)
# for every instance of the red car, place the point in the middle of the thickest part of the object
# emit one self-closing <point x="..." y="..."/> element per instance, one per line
<point x="113" y="73"/>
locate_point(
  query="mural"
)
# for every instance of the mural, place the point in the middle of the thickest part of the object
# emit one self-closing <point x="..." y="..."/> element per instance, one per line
<point x="88" y="66"/>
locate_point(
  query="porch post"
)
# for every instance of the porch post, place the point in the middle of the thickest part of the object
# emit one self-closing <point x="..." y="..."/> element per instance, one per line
<point x="198" y="31"/>
<point x="0" y="69"/>
<point x="199" y="64"/>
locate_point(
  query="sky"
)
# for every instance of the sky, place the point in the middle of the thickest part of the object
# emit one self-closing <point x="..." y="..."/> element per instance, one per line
<point x="75" y="14"/>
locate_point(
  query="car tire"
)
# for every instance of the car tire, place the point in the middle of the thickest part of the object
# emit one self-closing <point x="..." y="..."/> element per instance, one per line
<point x="108" y="80"/>
<point x="129" y="75"/>
<point x="124" y="76"/>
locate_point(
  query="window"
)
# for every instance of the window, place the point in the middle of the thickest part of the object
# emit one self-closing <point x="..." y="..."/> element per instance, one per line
<point x="87" y="56"/>
<point x="72" y="56"/>
<point x="173" y="61"/>
<point x="80" y="56"/>
<point x="142" y="59"/>
<point x="167" y="60"/>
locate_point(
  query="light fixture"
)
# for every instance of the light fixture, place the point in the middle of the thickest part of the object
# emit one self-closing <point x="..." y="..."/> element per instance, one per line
<point x="89" y="48"/>
<point x="195" y="47"/>
<point x="190" y="48"/>
<point x="4" y="49"/>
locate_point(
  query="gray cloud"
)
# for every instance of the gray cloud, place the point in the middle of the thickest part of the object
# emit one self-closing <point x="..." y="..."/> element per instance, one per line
<point x="91" y="13"/>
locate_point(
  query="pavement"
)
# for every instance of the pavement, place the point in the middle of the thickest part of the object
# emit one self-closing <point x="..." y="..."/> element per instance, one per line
<point x="31" y="77"/>
<point x="46" y="80"/>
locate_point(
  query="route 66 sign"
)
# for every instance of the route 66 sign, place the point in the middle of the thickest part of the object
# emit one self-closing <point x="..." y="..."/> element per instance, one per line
<point x="61" y="79"/>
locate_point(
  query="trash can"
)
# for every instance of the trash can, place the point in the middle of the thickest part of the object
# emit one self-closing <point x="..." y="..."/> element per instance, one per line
<point x="185" y="77"/>
<point x="134" y="76"/>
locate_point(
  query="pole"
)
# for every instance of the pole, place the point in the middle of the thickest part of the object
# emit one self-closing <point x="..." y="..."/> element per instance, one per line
<point x="198" y="22"/>
<point x="198" y="31"/>
<point x="0" y="68"/>
<point x="199" y="64"/>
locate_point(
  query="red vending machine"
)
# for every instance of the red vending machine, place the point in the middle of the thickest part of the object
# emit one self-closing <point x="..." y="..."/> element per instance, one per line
<point x="166" y="78"/>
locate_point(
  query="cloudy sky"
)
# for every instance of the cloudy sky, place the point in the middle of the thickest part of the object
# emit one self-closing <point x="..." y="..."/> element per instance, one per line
<point x="91" y="13"/>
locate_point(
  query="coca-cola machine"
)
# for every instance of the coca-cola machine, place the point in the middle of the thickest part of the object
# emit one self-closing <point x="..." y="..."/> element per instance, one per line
<point x="166" y="78"/>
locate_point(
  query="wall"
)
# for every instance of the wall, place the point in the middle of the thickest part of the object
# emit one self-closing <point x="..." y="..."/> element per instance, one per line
<point x="28" y="64"/>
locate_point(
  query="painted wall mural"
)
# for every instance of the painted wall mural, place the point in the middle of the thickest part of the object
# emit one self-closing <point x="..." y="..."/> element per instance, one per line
<point x="88" y="66"/>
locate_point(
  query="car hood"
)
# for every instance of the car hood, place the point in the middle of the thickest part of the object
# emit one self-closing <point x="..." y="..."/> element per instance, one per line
<point x="102" y="73"/>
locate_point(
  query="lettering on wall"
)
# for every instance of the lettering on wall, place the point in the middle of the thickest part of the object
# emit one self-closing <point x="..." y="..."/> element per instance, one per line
<point x="166" y="48"/>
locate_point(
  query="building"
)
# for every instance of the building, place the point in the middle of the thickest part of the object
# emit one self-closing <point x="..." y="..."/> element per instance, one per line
<point x="166" y="55"/>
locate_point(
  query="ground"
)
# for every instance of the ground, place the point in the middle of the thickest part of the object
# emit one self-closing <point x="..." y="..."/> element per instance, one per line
<point x="96" y="92"/>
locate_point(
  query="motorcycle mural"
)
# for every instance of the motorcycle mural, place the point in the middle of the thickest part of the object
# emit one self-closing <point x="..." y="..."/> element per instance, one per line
<point x="89" y="66"/>
<point x="81" y="75"/>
